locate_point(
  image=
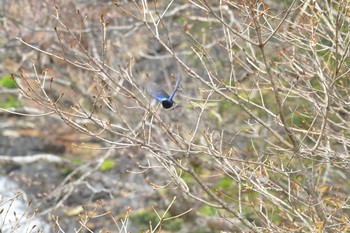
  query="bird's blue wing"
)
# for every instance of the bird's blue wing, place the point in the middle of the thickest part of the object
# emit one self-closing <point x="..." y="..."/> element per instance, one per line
<point x="176" y="87"/>
<point x="157" y="92"/>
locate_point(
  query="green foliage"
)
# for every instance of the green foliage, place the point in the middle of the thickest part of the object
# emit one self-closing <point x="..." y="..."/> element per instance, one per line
<point x="7" y="81"/>
<point x="207" y="210"/>
<point x="300" y="120"/>
<point x="64" y="171"/>
<point x="188" y="179"/>
<point x="181" y="20"/>
<point x="76" y="160"/>
<point x="225" y="105"/>
<point x="107" y="165"/>
<point x="174" y="224"/>
<point x="316" y="84"/>
<point x="269" y="100"/>
<point x="225" y="183"/>
<point x="9" y="101"/>
<point x="144" y="218"/>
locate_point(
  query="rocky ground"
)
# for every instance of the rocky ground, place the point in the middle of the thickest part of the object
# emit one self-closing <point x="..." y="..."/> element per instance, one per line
<point x="52" y="183"/>
<point x="39" y="167"/>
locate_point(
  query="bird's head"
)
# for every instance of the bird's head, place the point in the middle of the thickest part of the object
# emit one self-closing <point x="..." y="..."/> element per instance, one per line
<point x="167" y="103"/>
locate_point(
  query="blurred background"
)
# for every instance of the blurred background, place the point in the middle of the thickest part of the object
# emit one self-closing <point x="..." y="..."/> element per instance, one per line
<point x="258" y="140"/>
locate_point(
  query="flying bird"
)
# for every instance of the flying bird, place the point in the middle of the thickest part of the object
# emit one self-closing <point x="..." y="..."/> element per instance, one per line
<point x="161" y="96"/>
